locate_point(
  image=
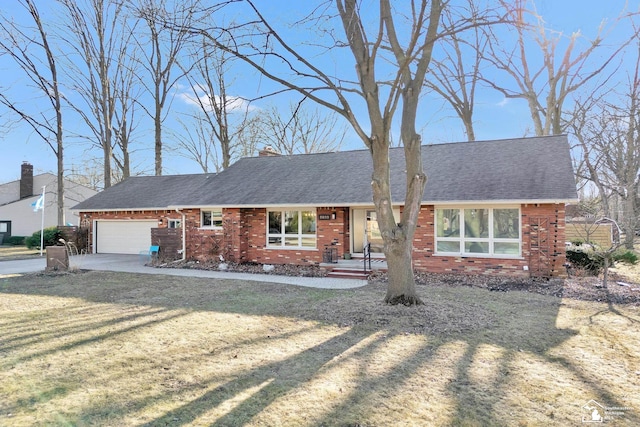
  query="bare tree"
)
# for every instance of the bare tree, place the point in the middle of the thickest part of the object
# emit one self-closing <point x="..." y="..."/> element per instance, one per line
<point x="545" y="85"/>
<point x="615" y="141"/>
<point x="391" y="49"/>
<point x="126" y="91"/>
<point x="25" y="47"/>
<point x="161" y="52"/>
<point x="455" y="72"/>
<point x="88" y="174"/>
<point x="101" y="41"/>
<point x="197" y="142"/>
<point x="300" y="131"/>
<point x="590" y="161"/>
<point x="249" y="137"/>
<point x="220" y="116"/>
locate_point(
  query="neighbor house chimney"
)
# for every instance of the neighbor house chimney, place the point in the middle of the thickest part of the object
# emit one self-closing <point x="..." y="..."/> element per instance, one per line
<point x="26" y="180"/>
<point x="268" y="151"/>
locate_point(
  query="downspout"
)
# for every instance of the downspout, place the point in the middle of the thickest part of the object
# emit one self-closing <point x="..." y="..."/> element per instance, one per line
<point x="184" y="234"/>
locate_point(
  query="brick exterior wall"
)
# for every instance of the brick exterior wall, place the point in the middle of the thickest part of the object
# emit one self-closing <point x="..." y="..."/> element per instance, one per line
<point x="243" y="239"/>
<point x="544" y="262"/>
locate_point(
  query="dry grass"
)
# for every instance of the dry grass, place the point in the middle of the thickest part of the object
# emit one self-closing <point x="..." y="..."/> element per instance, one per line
<point x="17" y="252"/>
<point x="112" y="349"/>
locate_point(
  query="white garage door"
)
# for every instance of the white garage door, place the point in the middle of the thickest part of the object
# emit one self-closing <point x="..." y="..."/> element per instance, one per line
<point x="123" y="237"/>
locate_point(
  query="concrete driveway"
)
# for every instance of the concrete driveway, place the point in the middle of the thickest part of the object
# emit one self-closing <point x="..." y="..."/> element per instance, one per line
<point x="135" y="264"/>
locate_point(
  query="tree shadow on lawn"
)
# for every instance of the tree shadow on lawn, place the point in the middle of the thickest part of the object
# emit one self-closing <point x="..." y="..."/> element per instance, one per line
<point x="462" y="327"/>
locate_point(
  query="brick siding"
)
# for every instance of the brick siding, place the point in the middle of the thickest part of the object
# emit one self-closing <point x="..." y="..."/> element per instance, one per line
<point x="243" y="239"/>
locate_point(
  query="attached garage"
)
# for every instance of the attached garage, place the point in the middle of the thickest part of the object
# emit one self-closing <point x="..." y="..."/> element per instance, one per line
<point x="123" y="237"/>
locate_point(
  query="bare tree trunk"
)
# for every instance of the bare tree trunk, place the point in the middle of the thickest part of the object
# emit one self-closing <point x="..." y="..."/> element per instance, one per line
<point x="17" y="45"/>
<point x="164" y="45"/>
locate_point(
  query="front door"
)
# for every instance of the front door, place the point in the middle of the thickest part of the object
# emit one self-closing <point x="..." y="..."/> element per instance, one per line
<point x="366" y="230"/>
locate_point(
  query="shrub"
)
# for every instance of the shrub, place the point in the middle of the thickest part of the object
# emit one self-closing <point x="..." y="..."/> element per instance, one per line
<point x="51" y="237"/>
<point x="15" y="240"/>
<point x="590" y="261"/>
<point x="627" y="257"/>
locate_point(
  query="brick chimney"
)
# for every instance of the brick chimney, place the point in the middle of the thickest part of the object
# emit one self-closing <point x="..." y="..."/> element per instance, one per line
<point x="268" y="151"/>
<point x="26" y="180"/>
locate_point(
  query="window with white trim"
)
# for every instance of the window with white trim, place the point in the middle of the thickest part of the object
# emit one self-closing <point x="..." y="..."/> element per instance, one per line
<point x="478" y="231"/>
<point x="174" y="223"/>
<point x="291" y="228"/>
<point x="211" y="218"/>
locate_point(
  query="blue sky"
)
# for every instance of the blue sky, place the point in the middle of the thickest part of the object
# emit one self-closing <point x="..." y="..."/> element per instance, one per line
<point x="496" y="117"/>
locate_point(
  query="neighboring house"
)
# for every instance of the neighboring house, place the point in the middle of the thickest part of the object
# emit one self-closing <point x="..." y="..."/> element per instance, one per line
<point x="490" y="207"/>
<point x="17" y="216"/>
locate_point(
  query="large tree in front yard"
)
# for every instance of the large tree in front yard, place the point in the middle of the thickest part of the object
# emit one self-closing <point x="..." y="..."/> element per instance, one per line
<point x="371" y="72"/>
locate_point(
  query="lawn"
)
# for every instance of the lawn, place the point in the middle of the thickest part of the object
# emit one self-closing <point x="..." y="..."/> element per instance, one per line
<point x="115" y="349"/>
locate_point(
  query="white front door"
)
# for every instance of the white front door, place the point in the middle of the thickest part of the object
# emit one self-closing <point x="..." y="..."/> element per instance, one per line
<point x="365" y="230"/>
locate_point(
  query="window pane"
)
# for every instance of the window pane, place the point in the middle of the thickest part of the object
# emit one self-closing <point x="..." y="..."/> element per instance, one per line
<point x="476" y="247"/>
<point x="275" y="241"/>
<point x="292" y="241"/>
<point x="291" y="222"/>
<point x="506" y="248"/>
<point x="275" y="222"/>
<point x="448" y="223"/>
<point x="292" y="228"/>
<point x="308" y="222"/>
<point x="3" y="227"/>
<point x="309" y="241"/>
<point x="206" y="219"/>
<point x="448" y="247"/>
<point x="476" y="223"/>
<point x="506" y="224"/>
<point x="216" y="218"/>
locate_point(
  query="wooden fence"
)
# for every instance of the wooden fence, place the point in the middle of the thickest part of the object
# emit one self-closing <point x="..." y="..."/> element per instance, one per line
<point x="599" y="234"/>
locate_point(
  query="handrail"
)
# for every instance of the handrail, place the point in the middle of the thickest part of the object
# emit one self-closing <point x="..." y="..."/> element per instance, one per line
<point x="367" y="254"/>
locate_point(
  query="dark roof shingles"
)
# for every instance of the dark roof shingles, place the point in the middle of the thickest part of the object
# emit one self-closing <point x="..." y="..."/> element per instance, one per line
<point x="526" y="169"/>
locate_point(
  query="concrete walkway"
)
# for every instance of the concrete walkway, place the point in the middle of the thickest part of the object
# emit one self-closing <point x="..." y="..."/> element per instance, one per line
<point x="134" y="264"/>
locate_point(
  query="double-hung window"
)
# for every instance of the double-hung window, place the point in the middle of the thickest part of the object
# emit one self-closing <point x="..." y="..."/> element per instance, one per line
<point x="478" y="231"/>
<point x="291" y="228"/>
<point x="211" y="218"/>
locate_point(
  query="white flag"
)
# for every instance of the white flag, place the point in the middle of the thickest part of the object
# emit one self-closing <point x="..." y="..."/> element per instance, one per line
<point x="38" y="204"/>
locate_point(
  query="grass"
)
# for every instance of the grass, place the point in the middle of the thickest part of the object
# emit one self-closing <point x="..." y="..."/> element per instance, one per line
<point x="9" y="252"/>
<point x="115" y="349"/>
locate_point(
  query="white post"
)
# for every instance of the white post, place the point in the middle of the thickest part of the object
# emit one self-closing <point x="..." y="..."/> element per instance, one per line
<point x="42" y="224"/>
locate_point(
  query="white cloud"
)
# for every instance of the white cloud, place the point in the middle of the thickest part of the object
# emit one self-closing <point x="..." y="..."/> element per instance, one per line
<point x="234" y="103"/>
<point x="503" y="102"/>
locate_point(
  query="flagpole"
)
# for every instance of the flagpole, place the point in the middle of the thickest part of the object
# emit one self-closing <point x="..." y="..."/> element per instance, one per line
<point x="42" y="224"/>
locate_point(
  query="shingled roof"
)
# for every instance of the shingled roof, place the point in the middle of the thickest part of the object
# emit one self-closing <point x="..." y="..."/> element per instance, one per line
<point x="146" y="192"/>
<point x="525" y="170"/>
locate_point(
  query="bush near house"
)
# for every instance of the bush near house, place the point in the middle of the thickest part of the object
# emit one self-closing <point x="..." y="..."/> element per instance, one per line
<point x="591" y="259"/>
<point x="585" y="259"/>
<point x="626" y="256"/>
<point x="14" y="241"/>
<point x="51" y="237"/>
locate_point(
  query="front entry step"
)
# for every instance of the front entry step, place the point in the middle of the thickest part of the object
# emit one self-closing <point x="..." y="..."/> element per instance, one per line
<point x="348" y="273"/>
